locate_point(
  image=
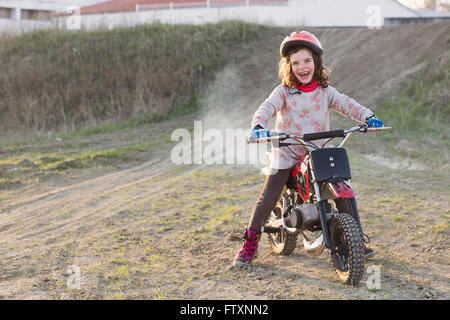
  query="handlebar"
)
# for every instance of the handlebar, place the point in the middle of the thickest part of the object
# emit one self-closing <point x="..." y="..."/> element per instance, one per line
<point x="323" y="135"/>
<point x="345" y="134"/>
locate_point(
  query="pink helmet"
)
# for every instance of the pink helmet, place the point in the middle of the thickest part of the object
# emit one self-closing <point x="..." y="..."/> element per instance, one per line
<point x="301" y="38"/>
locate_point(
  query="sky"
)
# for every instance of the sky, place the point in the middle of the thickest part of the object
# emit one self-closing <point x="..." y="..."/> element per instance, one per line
<point x="414" y="4"/>
<point x="68" y="2"/>
<point x="417" y="4"/>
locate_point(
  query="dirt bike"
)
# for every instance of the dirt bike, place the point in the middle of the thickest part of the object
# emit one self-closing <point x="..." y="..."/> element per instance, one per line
<point x="304" y="208"/>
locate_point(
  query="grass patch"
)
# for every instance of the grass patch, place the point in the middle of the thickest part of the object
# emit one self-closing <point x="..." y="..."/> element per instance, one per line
<point x="420" y="113"/>
<point x="34" y="160"/>
<point x="144" y="73"/>
<point x="119" y="273"/>
<point x="391" y="200"/>
<point x="154" y="259"/>
<point x="190" y="108"/>
<point x="159" y="294"/>
<point x="440" y="228"/>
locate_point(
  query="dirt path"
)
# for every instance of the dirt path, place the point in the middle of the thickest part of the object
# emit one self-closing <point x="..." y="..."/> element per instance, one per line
<point x="157" y="231"/>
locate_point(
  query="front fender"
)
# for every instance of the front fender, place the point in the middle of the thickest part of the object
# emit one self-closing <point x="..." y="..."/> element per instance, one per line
<point x="341" y="189"/>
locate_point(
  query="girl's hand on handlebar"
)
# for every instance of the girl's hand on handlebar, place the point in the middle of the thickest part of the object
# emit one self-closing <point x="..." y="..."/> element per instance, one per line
<point x="258" y="133"/>
<point x="374" y="122"/>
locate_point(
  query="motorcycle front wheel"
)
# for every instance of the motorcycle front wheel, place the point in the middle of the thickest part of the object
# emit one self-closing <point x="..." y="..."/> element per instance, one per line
<point x="346" y="239"/>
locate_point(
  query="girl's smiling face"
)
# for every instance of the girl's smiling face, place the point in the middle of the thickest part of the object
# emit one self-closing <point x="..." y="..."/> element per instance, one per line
<point x="302" y="64"/>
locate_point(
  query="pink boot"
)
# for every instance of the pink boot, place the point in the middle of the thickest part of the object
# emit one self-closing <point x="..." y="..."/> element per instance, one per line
<point x="249" y="250"/>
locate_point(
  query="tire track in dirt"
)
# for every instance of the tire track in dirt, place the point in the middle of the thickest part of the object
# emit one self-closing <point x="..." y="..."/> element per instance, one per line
<point x="79" y="186"/>
<point x="85" y="203"/>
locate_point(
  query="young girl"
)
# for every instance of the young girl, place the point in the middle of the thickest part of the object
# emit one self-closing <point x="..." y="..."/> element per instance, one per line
<point x="301" y="103"/>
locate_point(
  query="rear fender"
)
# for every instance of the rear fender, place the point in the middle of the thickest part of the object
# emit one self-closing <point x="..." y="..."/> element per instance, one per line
<point x="341" y="189"/>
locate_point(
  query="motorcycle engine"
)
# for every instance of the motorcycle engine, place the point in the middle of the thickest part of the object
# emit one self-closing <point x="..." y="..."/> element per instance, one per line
<point x="304" y="217"/>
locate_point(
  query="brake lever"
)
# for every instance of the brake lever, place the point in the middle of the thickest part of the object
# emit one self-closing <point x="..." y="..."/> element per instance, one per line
<point x="273" y="136"/>
<point x="253" y="140"/>
<point x="376" y="129"/>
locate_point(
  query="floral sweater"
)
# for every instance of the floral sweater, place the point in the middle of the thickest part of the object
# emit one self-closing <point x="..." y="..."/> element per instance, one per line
<point x="303" y="112"/>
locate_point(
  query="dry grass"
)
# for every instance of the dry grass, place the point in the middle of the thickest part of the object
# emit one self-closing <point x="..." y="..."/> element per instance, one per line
<point x="60" y="79"/>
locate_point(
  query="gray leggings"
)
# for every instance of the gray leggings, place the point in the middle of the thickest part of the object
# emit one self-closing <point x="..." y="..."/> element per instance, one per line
<point x="275" y="181"/>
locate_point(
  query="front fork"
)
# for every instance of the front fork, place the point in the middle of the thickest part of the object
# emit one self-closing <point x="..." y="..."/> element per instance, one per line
<point x="355" y="213"/>
<point x="323" y="216"/>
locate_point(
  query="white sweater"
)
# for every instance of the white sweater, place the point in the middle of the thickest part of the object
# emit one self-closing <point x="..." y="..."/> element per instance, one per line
<point x="303" y="112"/>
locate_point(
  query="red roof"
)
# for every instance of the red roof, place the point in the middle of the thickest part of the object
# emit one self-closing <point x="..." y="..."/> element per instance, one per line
<point x="130" y="5"/>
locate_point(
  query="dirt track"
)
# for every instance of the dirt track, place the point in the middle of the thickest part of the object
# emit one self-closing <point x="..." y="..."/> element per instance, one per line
<point x="146" y="233"/>
<point x="147" y="229"/>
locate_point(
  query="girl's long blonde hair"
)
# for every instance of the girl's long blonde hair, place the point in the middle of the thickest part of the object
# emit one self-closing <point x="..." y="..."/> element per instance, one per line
<point x="287" y="76"/>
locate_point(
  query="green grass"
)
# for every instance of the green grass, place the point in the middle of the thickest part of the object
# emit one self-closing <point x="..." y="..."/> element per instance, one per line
<point x="441" y="227"/>
<point x="34" y="159"/>
<point x="420" y="113"/>
<point x="121" y="272"/>
<point x="190" y="108"/>
<point x="50" y="159"/>
<point x="159" y="294"/>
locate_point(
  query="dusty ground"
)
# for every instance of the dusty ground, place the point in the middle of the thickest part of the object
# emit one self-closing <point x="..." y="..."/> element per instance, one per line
<point x="129" y="224"/>
<point x="155" y="231"/>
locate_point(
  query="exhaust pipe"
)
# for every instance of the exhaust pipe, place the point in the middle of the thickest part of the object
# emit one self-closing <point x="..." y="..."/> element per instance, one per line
<point x="315" y="247"/>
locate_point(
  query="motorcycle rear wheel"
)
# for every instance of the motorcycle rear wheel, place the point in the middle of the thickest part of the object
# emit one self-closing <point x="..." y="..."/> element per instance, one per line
<point x="282" y="243"/>
<point x="349" y="260"/>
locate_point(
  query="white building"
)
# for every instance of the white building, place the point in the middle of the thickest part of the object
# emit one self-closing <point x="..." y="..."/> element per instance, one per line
<point x="18" y="16"/>
<point x="311" y="13"/>
<point x="115" y="13"/>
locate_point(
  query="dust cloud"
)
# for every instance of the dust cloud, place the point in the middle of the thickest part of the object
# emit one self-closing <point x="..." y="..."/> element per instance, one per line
<point x="227" y="110"/>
